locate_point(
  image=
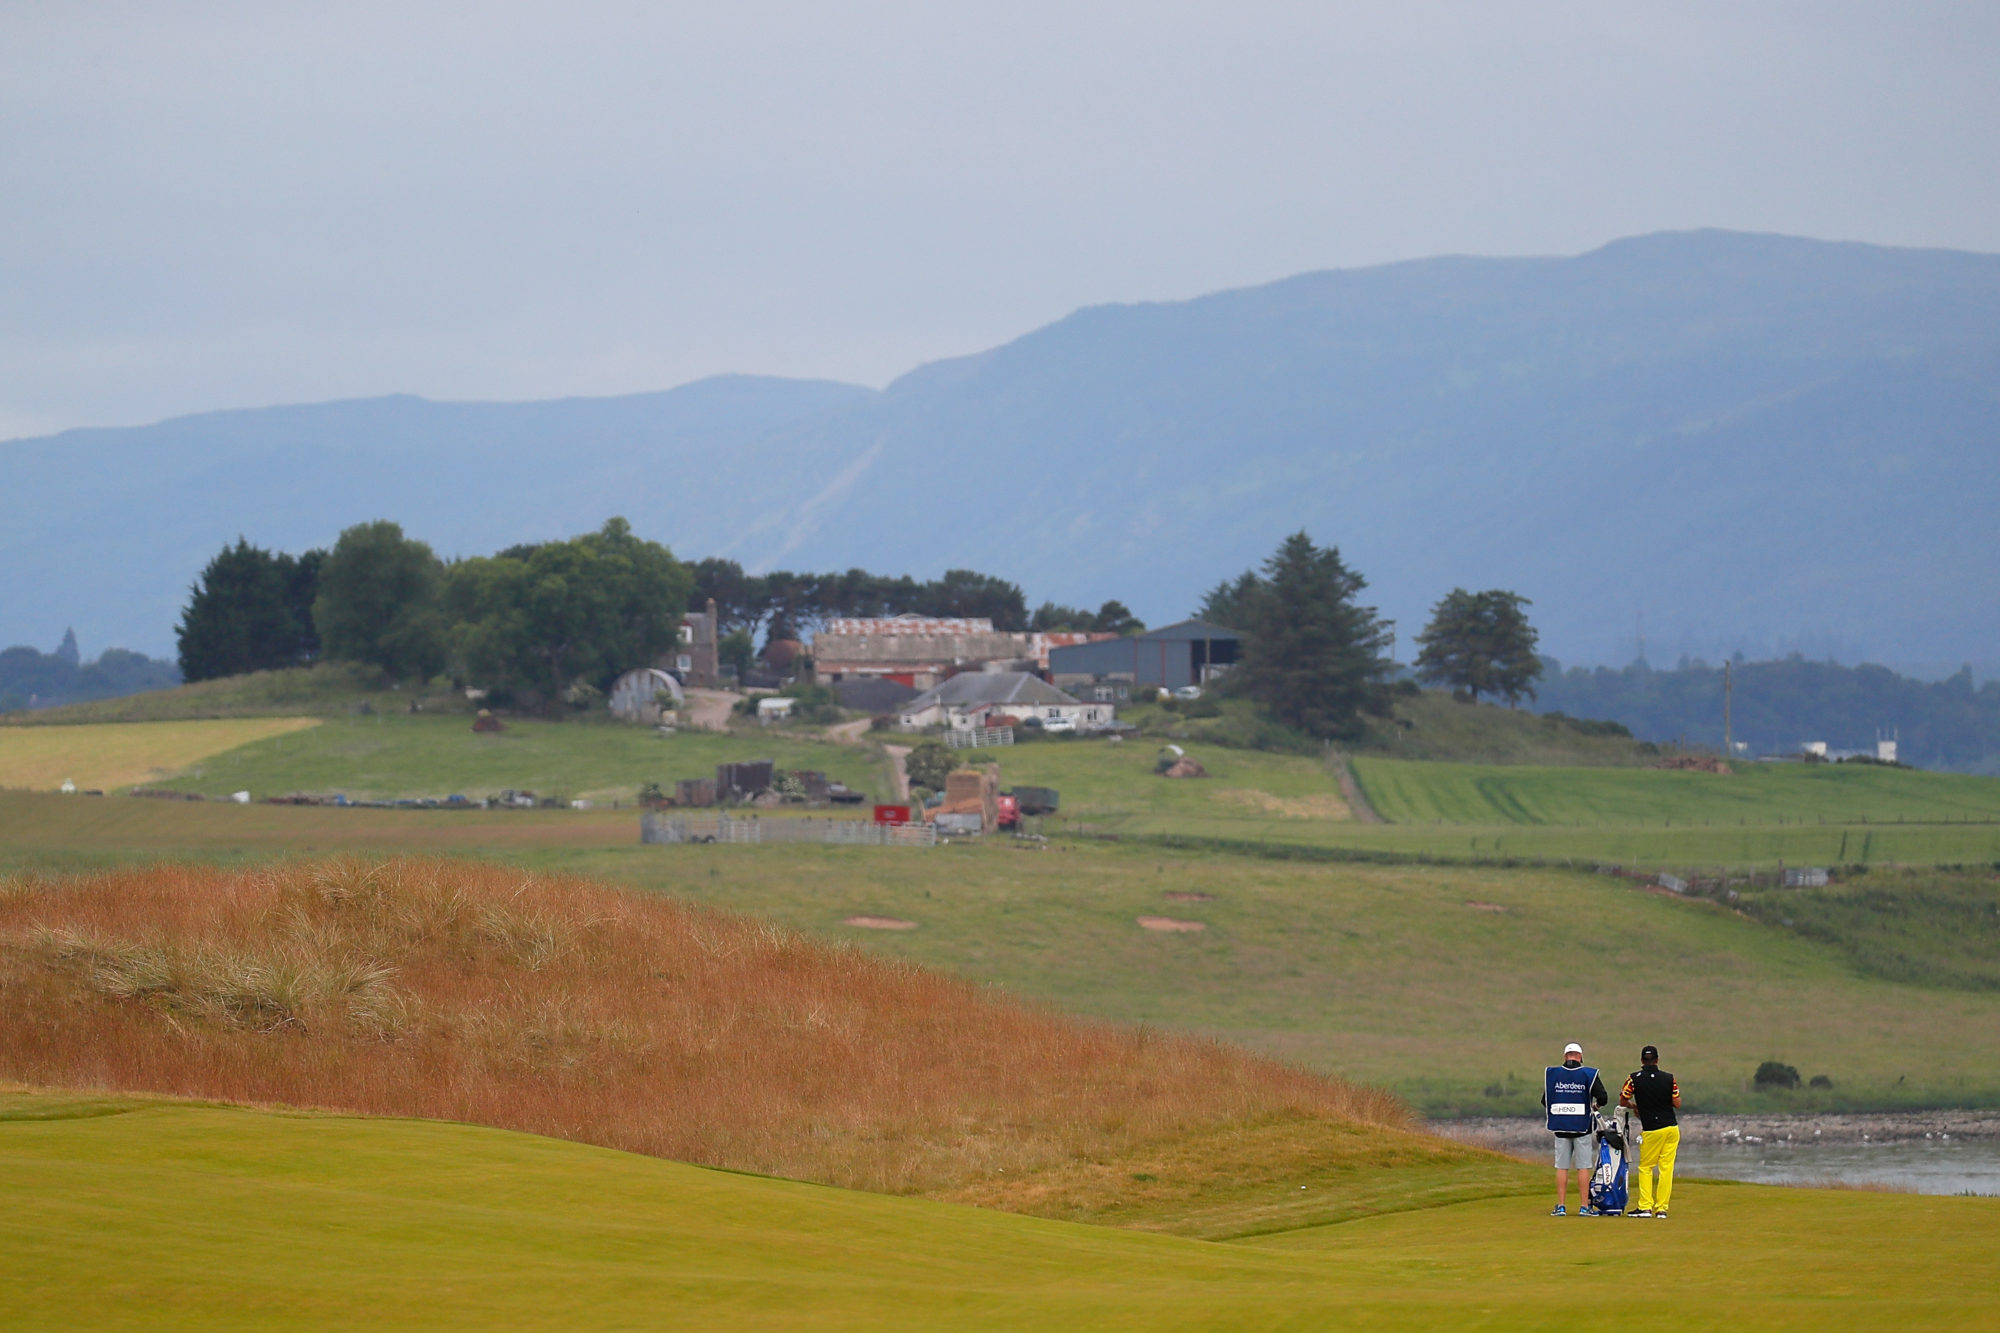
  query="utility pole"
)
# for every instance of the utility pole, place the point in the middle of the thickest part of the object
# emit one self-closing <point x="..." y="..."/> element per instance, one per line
<point x="1728" y="684"/>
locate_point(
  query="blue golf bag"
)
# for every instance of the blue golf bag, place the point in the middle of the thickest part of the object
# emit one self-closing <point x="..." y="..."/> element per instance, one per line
<point x="1608" y="1183"/>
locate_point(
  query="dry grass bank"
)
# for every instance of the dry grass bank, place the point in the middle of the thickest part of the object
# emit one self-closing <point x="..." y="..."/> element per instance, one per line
<point x="472" y="992"/>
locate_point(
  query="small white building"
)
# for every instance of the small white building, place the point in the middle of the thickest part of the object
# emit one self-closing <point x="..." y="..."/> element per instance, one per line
<point x="976" y="699"/>
<point x="635" y="696"/>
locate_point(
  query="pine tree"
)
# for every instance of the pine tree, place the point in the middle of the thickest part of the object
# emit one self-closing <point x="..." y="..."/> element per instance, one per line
<point x="1480" y="643"/>
<point x="243" y="615"/>
<point x="1311" y="654"/>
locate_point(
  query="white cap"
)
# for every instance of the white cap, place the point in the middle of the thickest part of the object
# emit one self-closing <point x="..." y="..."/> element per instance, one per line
<point x="1572" y="1049"/>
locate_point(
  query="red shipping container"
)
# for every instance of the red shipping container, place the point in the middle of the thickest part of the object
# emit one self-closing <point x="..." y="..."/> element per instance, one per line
<point x="892" y="814"/>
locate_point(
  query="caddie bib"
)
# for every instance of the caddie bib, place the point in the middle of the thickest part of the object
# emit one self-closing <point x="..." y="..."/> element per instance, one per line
<point x="1567" y="1092"/>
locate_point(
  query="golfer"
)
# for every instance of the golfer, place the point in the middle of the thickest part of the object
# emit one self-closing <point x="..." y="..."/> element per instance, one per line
<point x="1656" y="1096"/>
<point x="1568" y="1089"/>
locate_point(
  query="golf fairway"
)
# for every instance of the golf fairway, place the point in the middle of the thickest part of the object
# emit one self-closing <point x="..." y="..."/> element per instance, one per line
<point x="184" y="1215"/>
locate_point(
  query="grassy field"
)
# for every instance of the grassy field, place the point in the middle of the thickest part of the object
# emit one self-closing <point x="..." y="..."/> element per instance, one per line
<point x="1403" y="975"/>
<point x="1407" y="792"/>
<point x="129" y="754"/>
<point x="331" y="689"/>
<point x="459" y="991"/>
<point x="387" y="756"/>
<point x="170" y="1214"/>
<point x="1458" y="812"/>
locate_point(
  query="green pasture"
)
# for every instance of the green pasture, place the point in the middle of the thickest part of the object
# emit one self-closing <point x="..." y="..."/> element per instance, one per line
<point x="176" y="1214"/>
<point x="1819" y="815"/>
<point x="1403" y="975"/>
<point x="1411" y="792"/>
<point x="397" y="755"/>
<point x="1452" y="985"/>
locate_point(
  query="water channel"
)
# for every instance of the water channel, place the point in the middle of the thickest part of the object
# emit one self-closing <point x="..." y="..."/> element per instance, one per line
<point x="1923" y="1152"/>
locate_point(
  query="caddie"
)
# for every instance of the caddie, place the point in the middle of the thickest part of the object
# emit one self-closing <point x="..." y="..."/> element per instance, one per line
<point x="1568" y="1093"/>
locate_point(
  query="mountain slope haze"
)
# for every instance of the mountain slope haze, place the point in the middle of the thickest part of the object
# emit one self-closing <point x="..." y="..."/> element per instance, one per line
<point x="1721" y="441"/>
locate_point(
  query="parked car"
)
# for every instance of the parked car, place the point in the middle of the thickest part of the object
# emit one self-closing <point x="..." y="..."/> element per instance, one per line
<point x="1188" y="692"/>
<point x="1052" y="725"/>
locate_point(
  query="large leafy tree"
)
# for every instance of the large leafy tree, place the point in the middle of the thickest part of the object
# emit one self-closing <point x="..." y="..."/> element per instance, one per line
<point x="378" y="602"/>
<point x="1480" y="643"/>
<point x="1114" y="617"/>
<point x="536" y="622"/>
<point x="1312" y="655"/>
<point x="251" y="610"/>
<point x="965" y="592"/>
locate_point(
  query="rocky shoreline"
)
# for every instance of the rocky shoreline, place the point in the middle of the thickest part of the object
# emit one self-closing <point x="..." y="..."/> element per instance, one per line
<point x="1525" y="1136"/>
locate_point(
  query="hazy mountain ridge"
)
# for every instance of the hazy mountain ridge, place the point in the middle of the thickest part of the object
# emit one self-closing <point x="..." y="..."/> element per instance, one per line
<point x="1753" y="442"/>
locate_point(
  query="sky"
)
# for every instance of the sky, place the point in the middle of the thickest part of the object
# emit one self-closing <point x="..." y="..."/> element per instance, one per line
<point x="216" y="205"/>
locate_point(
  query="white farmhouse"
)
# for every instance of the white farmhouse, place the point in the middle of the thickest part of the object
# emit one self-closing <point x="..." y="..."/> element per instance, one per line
<point x="975" y="699"/>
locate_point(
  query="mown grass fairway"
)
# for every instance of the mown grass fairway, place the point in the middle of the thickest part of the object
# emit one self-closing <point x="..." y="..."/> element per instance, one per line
<point x="388" y="756"/>
<point x="1386" y="973"/>
<point x="177" y="1214"/>
<point x="126" y="754"/>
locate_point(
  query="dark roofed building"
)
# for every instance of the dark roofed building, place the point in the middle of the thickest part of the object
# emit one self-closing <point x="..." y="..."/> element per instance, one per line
<point x="1190" y="653"/>
<point x="873" y="694"/>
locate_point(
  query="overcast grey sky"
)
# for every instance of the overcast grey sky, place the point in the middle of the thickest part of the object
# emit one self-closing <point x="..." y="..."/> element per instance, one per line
<point x="232" y="205"/>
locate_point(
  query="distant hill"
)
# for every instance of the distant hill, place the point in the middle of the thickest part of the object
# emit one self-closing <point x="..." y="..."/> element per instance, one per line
<point x="1775" y="707"/>
<point x="1722" y="441"/>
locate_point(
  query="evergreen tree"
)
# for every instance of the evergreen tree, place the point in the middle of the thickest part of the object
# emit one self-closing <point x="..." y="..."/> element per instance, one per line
<point x="1228" y="602"/>
<point x="243" y="614"/>
<point x="1480" y="643"/>
<point x="1311" y="655"/>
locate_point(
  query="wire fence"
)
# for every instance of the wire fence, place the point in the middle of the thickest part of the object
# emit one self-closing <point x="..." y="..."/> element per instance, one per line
<point x="660" y="828"/>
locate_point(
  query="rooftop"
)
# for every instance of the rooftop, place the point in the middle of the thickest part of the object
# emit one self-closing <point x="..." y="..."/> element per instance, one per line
<point x="972" y="689"/>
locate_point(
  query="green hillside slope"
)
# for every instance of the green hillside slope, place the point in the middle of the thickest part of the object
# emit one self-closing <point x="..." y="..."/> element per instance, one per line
<point x="1404" y="792"/>
<point x="214" y="1217"/>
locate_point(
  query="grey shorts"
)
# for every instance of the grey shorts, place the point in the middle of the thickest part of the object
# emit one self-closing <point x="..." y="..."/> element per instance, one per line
<point x="1579" y="1153"/>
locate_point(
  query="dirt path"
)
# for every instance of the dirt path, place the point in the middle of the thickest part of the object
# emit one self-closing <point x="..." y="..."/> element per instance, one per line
<point x="1350" y="790"/>
<point x="850" y="733"/>
<point x="708" y="710"/>
<point x="897" y="754"/>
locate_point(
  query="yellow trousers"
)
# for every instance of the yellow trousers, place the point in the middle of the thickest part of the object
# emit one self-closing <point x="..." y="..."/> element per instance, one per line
<point x="1657" y="1150"/>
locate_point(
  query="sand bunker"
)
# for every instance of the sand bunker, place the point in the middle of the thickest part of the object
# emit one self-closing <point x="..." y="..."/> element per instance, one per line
<point x="1478" y="906"/>
<point x="1323" y="805"/>
<point x="1170" y="924"/>
<point x="880" y="923"/>
<point x="1187" y="896"/>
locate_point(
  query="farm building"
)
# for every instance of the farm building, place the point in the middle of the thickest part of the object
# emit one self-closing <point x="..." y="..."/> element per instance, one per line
<point x="635" y="696"/>
<point x="982" y="698"/>
<point x="1190" y="653"/>
<point x="694" y="660"/>
<point x="920" y="651"/>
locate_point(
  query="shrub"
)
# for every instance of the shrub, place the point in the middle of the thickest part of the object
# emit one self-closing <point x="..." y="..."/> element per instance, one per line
<point x="929" y="764"/>
<point x="1772" y="1074"/>
<point x="1821" y="1081"/>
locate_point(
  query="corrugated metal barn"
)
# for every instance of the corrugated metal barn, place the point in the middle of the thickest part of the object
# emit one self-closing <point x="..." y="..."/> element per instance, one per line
<point x="1170" y="657"/>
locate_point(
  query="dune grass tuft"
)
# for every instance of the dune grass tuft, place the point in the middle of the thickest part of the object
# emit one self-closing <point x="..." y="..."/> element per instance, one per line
<point x="473" y="992"/>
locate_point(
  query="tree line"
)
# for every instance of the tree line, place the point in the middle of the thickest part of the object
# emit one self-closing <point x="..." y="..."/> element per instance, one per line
<point x="787" y="605"/>
<point x="1777" y="705"/>
<point x="528" y="624"/>
<point x="30" y="678"/>
<point x="533" y="621"/>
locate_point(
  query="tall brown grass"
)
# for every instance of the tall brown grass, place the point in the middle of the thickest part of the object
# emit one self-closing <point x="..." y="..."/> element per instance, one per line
<point x="471" y="992"/>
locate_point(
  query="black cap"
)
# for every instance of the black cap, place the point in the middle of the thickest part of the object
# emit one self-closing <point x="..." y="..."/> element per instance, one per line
<point x="1649" y="1055"/>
